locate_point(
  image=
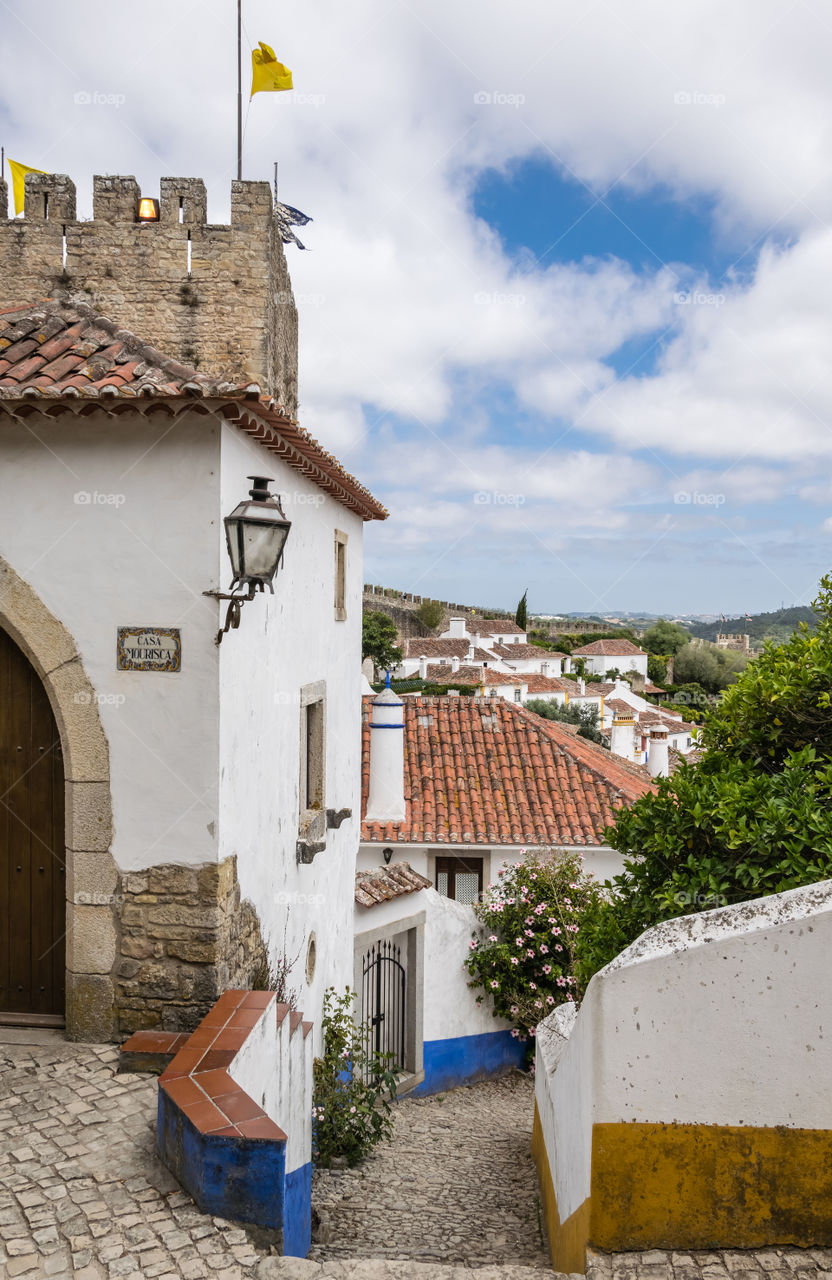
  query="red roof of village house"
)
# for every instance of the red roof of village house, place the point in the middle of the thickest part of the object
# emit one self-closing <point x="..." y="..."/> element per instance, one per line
<point x="493" y="627"/>
<point x="430" y="647"/>
<point x="609" y="649"/>
<point x="57" y="358"/>
<point x="486" y="771"/>
<point x="525" y="651"/>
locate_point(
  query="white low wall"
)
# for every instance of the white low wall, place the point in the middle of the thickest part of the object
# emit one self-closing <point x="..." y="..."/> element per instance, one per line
<point x="693" y="1056"/>
<point x="274" y="1067"/>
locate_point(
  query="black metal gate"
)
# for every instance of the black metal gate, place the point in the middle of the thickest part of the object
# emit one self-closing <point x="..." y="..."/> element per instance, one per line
<point x="383" y="1003"/>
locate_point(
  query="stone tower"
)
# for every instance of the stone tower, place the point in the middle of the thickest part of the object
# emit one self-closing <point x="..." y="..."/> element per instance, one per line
<point x="216" y="297"/>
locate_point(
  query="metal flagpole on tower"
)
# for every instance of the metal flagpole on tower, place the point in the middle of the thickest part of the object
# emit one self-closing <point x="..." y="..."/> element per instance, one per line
<point x="239" y="90"/>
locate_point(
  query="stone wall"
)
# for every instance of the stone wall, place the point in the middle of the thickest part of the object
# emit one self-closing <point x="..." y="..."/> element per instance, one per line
<point x="216" y="297"/>
<point x="185" y="937"/>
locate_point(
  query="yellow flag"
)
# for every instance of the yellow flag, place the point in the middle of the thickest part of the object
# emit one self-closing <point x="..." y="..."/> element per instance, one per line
<point x="267" y="74"/>
<point x="19" y="172"/>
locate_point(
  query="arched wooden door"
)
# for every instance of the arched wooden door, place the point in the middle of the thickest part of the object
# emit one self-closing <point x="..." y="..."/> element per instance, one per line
<point x="32" y="853"/>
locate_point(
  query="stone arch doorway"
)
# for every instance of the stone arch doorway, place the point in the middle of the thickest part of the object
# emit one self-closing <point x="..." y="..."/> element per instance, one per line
<point x="32" y="851"/>
<point x="90" y="876"/>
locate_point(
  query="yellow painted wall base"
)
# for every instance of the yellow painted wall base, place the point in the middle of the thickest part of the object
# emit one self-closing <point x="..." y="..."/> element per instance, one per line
<point x="686" y="1186"/>
<point x="567" y="1240"/>
<point x="677" y="1186"/>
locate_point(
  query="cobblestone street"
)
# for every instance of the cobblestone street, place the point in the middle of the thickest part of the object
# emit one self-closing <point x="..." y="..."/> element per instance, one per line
<point x="457" y="1184"/>
<point x="83" y="1196"/>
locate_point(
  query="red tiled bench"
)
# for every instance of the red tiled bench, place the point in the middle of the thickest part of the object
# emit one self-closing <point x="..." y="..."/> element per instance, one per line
<point x="150" y="1051"/>
<point x="217" y="1140"/>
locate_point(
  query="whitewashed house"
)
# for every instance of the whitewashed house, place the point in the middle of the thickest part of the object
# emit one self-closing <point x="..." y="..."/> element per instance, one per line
<point x="179" y="812"/>
<point x="603" y="656"/>
<point x="453" y="789"/>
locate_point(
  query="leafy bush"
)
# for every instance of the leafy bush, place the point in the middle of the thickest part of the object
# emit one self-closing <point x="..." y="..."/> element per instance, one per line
<point x="430" y="613"/>
<point x="378" y="640"/>
<point x="349" y="1115"/>
<point x="585" y="716"/>
<point x="656" y="669"/>
<point x="523" y="957"/>
<point x="714" y="669"/>
<point x="753" y="817"/>
<point x="665" y="637"/>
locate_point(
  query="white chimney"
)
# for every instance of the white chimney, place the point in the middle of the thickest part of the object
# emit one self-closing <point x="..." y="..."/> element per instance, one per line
<point x="582" y="685"/>
<point x="423" y="667"/>
<point x="621" y="740"/>
<point x="658" y="760"/>
<point x="457" y="629"/>
<point x="454" y="663"/>
<point x="470" y="650"/>
<point x="385" y="802"/>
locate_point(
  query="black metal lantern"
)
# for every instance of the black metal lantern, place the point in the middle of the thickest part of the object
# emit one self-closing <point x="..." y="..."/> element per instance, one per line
<point x="256" y="532"/>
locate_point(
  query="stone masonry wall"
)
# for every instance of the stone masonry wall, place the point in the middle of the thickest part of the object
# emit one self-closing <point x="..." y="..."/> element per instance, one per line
<point x="185" y="938"/>
<point x="233" y="312"/>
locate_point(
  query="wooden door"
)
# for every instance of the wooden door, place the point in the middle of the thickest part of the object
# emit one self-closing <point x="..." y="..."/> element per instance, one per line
<point x="32" y="866"/>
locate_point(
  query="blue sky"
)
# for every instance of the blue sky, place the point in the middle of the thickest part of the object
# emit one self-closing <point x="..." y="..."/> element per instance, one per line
<point x="563" y="306"/>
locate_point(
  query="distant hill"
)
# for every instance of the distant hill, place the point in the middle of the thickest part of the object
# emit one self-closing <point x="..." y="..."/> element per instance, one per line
<point x="778" y="625"/>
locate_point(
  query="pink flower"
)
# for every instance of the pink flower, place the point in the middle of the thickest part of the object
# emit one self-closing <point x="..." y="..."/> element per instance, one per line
<point x="547" y="968"/>
<point x="514" y="960"/>
<point x="532" y="1030"/>
<point x="515" y="1032"/>
<point x="558" y="947"/>
<point x="532" y="986"/>
<point x="550" y="999"/>
<point x="472" y="944"/>
<point x="528" y="933"/>
<point x="570" y="996"/>
<point x="514" y="1009"/>
<point x="352" y="1111"/>
<point x="538" y="1004"/>
<point x="539" y="909"/>
<point x="544" y="950"/>
<point x="556" y="931"/>
<point x="530" y="953"/>
<point x="529" y="919"/>
<point x="493" y="937"/>
<point x="518" y="942"/>
<point x="517" y="866"/>
<point x="494" y="983"/>
<point x="534" y="875"/>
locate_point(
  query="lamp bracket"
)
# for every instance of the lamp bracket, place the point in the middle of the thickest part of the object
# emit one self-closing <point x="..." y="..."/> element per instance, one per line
<point x="235" y="604"/>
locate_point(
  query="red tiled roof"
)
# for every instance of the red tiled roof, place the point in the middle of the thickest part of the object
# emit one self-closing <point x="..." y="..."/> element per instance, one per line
<point x="652" y="688"/>
<point x="58" y="358"/>
<point x="443" y="673"/>
<point x="487" y="771"/>
<point x="525" y="651"/>
<point x="493" y="627"/>
<point x="609" y="649"/>
<point x="430" y="647"/>
<point x="547" y="684"/>
<point x="617" y="705"/>
<point x="599" y="690"/>
<point x="383" y="883"/>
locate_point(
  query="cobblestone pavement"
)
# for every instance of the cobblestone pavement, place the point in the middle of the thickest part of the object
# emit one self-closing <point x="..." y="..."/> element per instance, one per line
<point x="456" y="1184"/>
<point x="82" y="1193"/>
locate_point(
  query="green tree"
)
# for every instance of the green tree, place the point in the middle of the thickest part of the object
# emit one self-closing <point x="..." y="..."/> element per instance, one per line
<point x="665" y="637"/>
<point x="714" y="669"/>
<point x="520" y="616"/>
<point x="430" y="613"/>
<point x="753" y="817"/>
<point x="586" y="717"/>
<point x="656" y="669"/>
<point x="378" y="640"/>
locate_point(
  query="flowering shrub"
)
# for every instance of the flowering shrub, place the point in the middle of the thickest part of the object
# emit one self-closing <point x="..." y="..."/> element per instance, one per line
<point x="524" y="955"/>
<point x="349" y="1115"/>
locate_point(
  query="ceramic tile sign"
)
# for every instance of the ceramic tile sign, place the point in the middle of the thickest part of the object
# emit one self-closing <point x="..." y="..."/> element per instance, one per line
<point x="149" y="649"/>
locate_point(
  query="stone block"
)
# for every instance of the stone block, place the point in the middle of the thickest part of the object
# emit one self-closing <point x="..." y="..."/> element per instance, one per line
<point x="92" y="879"/>
<point x="91" y="939"/>
<point x="86" y="753"/>
<point x="138" y="948"/>
<point x="90" y="1013"/>
<point x="193" y="952"/>
<point x="89" y="816"/>
<point x="173" y="880"/>
<point x="197" y="917"/>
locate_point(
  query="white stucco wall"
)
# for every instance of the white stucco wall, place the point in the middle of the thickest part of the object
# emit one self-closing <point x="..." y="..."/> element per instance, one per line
<point x="274" y="1067"/>
<point x="286" y="642"/>
<point x="115" y="524"/>
<point x="599" y="664"/>
<point x="751" y="979"/>
<point x="599" y="861"/>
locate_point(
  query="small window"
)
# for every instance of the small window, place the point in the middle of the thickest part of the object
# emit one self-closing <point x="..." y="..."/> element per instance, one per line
<point x="459" y="878"/>
<point x="517" y="695"/>
<point x="340" y="576"/>
<point x="313" y="735"/>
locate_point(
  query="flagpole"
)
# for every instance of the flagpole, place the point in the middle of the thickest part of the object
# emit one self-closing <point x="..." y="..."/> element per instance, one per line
<point x="239" y="90"/>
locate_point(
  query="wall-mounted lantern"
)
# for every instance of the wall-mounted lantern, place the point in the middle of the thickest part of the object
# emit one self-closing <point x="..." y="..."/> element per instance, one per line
<point x="148" y="210"/>
<point x="256" y="533"/>
<point x="387" y="854"/>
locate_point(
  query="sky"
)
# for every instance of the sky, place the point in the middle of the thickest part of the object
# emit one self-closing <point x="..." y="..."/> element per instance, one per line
<point x="565" y="307"/>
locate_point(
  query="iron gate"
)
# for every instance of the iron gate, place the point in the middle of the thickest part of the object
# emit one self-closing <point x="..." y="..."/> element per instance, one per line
<point x="383" y="1003"/>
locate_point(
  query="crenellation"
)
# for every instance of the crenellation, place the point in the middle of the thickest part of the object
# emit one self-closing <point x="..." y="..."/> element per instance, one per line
<point x="232" y="313"/>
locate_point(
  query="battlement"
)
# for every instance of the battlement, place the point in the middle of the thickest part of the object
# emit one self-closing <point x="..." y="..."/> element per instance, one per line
<point x="214" y="296"/>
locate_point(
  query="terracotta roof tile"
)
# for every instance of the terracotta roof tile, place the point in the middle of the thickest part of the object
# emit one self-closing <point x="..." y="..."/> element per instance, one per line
<point x="487" y="771"/>
<point x="50" y="351"/>
<point x="430" y="647"/>
<point x="493" y="627"/>
<point x="509" y="651"/>
<point x="383" y="883"/>
<point x="609" y="649"/>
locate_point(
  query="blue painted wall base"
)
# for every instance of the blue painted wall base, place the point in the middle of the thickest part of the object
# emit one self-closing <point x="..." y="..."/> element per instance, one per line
<point x="242" y="1179"/>
<point x="466" y="1059"/>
